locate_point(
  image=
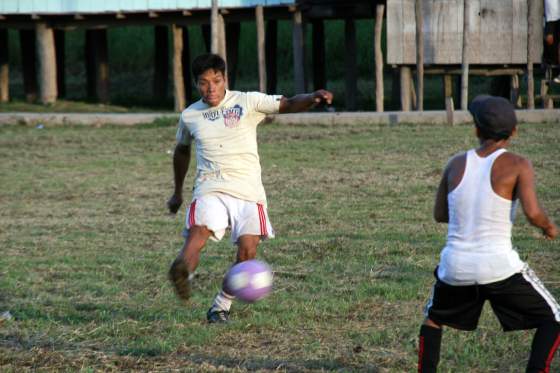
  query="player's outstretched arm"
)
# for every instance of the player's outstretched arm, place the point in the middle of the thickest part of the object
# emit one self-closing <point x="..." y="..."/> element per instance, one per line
<point x="526" y="192"/>
<point x="181" y="160"/>
<point x="441" y="210"/>
<point x="306" y="101"/>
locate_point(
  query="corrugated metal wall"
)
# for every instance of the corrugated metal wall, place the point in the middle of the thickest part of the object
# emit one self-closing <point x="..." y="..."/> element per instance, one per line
<point x="113" y="6"/>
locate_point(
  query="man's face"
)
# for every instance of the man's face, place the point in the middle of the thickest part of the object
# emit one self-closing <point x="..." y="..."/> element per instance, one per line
<point x="211" y="86"/>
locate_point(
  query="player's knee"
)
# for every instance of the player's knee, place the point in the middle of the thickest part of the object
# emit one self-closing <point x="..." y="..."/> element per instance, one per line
<point x="549" y="39"/>
<point x="432" y="324"/>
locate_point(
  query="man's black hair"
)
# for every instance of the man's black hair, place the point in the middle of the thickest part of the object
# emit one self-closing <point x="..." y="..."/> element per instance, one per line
<point x="206" y="62"/>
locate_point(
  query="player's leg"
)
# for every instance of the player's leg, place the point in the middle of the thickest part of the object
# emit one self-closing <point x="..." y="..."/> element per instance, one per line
<point x="455" y="306"/>
<point x="522" y="302"/>
<point x="429" y="345"/>
<point x="206" y="218"/>
<point x="249" y="225"/>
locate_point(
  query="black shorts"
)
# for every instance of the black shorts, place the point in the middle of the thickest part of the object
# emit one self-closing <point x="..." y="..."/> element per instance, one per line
<point x="520" y="302"/>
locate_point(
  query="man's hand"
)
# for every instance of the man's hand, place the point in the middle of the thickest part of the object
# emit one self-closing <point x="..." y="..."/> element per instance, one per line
<point x="550" y="232"/>
<point x="174" y="203"/>
<point x="322" y="96"/>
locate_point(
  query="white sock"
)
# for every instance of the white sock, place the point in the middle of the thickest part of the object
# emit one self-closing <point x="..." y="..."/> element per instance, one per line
<point x="222" y="302"/>
<point x="191" y="277"/>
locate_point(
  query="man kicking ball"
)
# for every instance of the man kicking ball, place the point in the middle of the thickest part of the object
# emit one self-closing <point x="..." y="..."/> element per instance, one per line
<point x="477" y="196"/>
<point x="228" y="191"/>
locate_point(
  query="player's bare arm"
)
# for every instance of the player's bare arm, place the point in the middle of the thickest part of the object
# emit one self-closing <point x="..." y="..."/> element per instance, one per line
<point x="181" y="160"/>
<point x="451" y="177"/>
<point x="526" y="193"/>
<point x="306" y="101"/>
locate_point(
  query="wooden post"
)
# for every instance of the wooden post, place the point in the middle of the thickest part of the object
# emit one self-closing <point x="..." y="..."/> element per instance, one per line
<point x="530" y="79"/>
<point x="47" y="64"/>
<point x="419" y="55"/>
<point x="4" y="66"/>
<point x="271" y="44"/>
<point x="59" y="43"/>
<point x="214" y="25"/>
<point x="299" y="56"/>
<point x="101" y="67"/>
<point x="379" y="95"/>
<point x="178" y="81"/>
<point x="222" y="40"/>
<point x="89" y="52"/>
<point x="515" y="97"/>
<point x="259" y="20"/>
<point x="318" y="55"/>
<point x="547" y="102"/>
<point x="233" y="33"/>
<point x="27" y="40"/>
<point x="465" y="56"/>
<point x="449" y="109"/>
<point x="406" y="89"/>
<point x="161" y="63"/>
<point x="186" y="64"/>
<point x="351" y="64"/>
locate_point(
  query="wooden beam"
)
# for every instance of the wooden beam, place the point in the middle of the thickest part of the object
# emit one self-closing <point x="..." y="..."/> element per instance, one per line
<point x="120" y="15"/>
<point x="259" y="20"/>
<point x="350" y="63"/>
<point x="318" y="55"/>
<point x="46" y="58"/>
<point x="271" y="45"/>
<point x="178" y="80"/>
<point x="530" y="78"/>
<point x="419" y="55"/>
<point x="161" y="63"/>
<point x="27" y="40"/>
<point x="379" y="89"/>
<point x="4" y="66"/>
<point x="298" y="44"/>
<point x="465" y="56"/>
<point x="59" y="42"/>
<point x="405" y="88"/>
<point x="215" y="43"/>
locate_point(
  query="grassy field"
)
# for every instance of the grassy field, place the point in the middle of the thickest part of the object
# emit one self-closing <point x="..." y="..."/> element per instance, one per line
<point x="86" y="243"/>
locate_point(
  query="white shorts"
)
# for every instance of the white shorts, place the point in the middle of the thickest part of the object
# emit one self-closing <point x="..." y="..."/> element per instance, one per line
<point x="221" y="211"/>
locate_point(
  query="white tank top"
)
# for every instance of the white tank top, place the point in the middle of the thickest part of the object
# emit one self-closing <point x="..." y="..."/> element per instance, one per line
<point x="478" y="249"/>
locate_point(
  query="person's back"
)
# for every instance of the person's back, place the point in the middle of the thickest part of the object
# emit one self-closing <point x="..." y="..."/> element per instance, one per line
<point x="477" y="196"/>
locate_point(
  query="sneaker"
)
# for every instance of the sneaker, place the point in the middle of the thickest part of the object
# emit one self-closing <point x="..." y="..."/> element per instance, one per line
<point x="179" y="277"/>
<point x="217" y="316"/>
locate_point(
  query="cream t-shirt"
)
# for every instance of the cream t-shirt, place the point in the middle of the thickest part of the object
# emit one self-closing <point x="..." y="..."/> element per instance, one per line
<point x="225" y="137"/>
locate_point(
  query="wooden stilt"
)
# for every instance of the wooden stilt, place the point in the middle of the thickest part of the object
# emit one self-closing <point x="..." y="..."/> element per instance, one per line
<point x="259" y="20"/>
<point x="351" y="64"/>
<point x="4" y="67"/>
<point x="379" y="89"/>
<point x="178" y="81"/>
<point x="530" y="78"/>
<point x="405" y="88"/>
<point x="419" y="56"/>
<point x="46" y="57"/>
<point x="161" y="63"/>
<point x="60" y="47"/>
<point x="271" y="44"/>
<point x="299" y="57"/>
<point x="318" y="55"/>
<point x="515" y="96"/>
<point x="89" y="51"/>
<point x="465" y="56"/>
<point x="27" y="40"/>
<point x="214" y="28"/>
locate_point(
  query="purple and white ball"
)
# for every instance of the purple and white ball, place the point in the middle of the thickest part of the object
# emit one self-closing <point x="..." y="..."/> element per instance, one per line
<point x="249" y="281"/>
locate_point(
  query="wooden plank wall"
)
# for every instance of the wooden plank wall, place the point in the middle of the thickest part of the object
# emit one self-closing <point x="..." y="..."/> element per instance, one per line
<point x="498" y="32"/>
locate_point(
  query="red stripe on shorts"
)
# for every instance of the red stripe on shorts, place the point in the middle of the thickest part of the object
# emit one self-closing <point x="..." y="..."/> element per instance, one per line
<point x="191" y="213"/>
<point x="551" y="354"/>
<point x="262" y="219"/>
<point x="420" y="354"/>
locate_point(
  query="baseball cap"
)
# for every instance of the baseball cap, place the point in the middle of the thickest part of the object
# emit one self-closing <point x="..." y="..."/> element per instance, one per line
<point x="494" y="116"/>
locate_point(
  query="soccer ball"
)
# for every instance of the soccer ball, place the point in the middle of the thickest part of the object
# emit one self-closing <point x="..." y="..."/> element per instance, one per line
<point x="249" y="281"/>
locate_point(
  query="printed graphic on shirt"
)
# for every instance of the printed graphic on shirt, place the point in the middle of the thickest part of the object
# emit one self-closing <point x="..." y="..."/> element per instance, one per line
<point x="232" y="116"/>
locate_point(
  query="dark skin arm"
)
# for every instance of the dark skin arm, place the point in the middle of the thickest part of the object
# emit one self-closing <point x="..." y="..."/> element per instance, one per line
<point x="451" y="177"/>
<point x="181" y="160"/>
<point x="306" y="101"/>
<point x="526" y="193"/>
